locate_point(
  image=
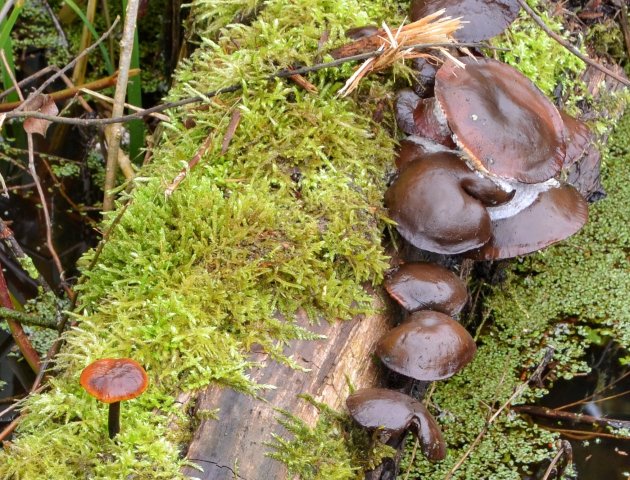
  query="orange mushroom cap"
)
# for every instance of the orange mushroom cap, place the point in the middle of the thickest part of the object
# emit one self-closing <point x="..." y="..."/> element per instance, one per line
<point x="113" y="380"/>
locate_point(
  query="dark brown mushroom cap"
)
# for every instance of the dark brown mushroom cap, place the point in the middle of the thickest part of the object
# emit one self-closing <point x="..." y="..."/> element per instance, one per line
<point x="396" y="412"/>
<point x="503" y="122"/>
<point x="422" y="116"/>
<point x="114" y="379"/>
<point x="486" y="18"/>
<point x="414" y="147"/>
<point x="556" y="214"/>
<point x="427" y="286"/>
<point x="578" y="138"/>
<point x="438" y="204"/>
<point x="428" y="346"/>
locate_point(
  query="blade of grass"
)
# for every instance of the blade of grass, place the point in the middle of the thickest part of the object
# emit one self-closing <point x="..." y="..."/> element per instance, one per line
<point x="81" y="15"/>
<point x="134" y="97"/>
<point x="7" y="45"/>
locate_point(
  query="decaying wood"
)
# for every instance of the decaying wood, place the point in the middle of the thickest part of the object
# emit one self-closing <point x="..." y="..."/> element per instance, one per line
<point x="236" y="445"/>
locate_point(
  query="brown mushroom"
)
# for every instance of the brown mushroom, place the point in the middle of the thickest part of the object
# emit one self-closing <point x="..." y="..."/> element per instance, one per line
<point x="582" y="161"/>
<point x="557" y="212"/>
<point x="414" y="147"/>
<point x="428" y="346"/>
<point x="485" y="18"/>
<point x="500" y="119"/>
<point x="113" y="380"/>
<point x="422" y="116"/>
<point x="438" y="204"/>
<point x="395" y="413"/>
<point x="427" y="286"/>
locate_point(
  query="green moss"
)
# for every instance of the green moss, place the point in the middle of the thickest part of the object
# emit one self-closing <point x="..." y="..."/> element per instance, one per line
<point x="289" y="217"/>
<point x="335" y="449"/>
<point x="530" y="48"/>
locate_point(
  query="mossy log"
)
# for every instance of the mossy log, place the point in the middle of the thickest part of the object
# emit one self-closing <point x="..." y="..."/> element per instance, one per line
<point x="236" y="445"/>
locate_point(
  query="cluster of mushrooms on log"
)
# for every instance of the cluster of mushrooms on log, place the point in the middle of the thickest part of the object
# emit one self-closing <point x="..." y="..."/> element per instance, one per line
<point x="489" y="169"/>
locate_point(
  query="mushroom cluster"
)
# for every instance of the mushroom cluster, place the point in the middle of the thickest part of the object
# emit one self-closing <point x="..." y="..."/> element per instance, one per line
<point x="479" y="176"/>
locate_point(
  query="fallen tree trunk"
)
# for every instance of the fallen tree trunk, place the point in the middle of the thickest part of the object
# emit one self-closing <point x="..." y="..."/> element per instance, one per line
<point x="236" y="445"/>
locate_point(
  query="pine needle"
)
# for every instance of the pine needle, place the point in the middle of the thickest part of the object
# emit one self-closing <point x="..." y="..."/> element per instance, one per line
<point x="403" y="44"/>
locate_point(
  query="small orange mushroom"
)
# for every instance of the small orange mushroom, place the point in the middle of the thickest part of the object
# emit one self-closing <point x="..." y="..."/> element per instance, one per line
<point x="113" y="380"/>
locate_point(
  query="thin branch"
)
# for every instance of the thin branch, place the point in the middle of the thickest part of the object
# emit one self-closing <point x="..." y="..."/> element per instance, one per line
<point x="565" y="447"/>
<point x="570" y="47"/>
<point x="63" y="70"/>
<point x="284" y="73"/>
<point x="190" y="165"/>
<point x="6" y="234"/>
<point x="113" y="133"/>
<point x="25" y="318"/>
<point x="561" y="415"/>
<point x="73" y="90"/>
<point x="517" y="393"/>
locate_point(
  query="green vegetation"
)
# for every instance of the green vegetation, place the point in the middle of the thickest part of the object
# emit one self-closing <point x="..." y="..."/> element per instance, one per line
<point x="530" y="48"/>
<point x="336" y="449"/>
<point x="289" y="216"/>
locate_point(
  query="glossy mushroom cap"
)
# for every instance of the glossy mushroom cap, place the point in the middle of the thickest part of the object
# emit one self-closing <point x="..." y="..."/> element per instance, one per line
<point x="428" y="346"/>
<point x="414" y="147"/>
<point x="578" y="138"/>
<point x="557" y="213"/>
<point x="486" y="18"/>
<point x="113" y="380"/>
<point x="501" y="120"/>
<point x="395" y="412"/>
<point x="438" y="204"/>
<point x="427" y="286"/>
<point x="422" y="116"/>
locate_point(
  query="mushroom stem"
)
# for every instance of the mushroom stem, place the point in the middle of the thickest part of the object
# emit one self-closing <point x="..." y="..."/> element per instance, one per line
<point x="113" y="420"/>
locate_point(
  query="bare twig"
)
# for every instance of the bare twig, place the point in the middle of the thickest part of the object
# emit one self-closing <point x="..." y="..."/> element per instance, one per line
<point x="73" y="90"/>
<point x="55" y="20"/>
<point x="105" y="98"/>
<point x="42" y="198"/>
<point x="535" y="376"/>
<point x="7" y="235"/>
<point x="285" y="73"/>
<point x="570" y="47"/>
<point x="565" y="449"/>
<point x="63" y="70"/>
<point x="26" y="318"/>
<point x="545" y="412"/>
<point x="231" y="130"/>
<point x="114" y="132"/>
<point x="191" y="164"/>
<point x="625" y="25"/>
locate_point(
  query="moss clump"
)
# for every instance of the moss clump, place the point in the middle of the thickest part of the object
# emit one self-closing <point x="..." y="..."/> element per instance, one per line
<point x="568" y="296"/>
<point x="335" y="449"/>
<point x="289" y="216"/>
<point x="530" y="48"/>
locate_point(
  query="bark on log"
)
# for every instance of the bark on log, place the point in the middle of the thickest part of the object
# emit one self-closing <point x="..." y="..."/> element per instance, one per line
<point x="235" y="445"/>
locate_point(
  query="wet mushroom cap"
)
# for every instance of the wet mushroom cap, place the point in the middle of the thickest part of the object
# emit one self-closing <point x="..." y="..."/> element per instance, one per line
<point x="113" y="380"/>
<point x="422" y="116"/>
<point x="556" y="214"/>
<point x="438" y="204"/>
<point x="427" y="286"/>
<point x="428" y="346"/>
<point x="486" y="18"/>
<point x="578" y="138"/>
<point x="396" y="412"/>
<point x="501" y="120"/>
<point x="382" y="408"/>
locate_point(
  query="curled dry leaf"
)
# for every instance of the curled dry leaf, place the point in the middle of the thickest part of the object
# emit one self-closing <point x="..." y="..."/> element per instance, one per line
<point x="42" y="104"/>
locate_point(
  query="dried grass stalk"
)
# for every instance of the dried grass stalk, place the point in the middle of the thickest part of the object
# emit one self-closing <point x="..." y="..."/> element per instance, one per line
<point x="403" y="44"/>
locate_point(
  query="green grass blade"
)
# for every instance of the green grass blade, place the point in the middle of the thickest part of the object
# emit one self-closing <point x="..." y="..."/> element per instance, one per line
<point x="90" y="27"/>
<point x="7" y="45"/>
